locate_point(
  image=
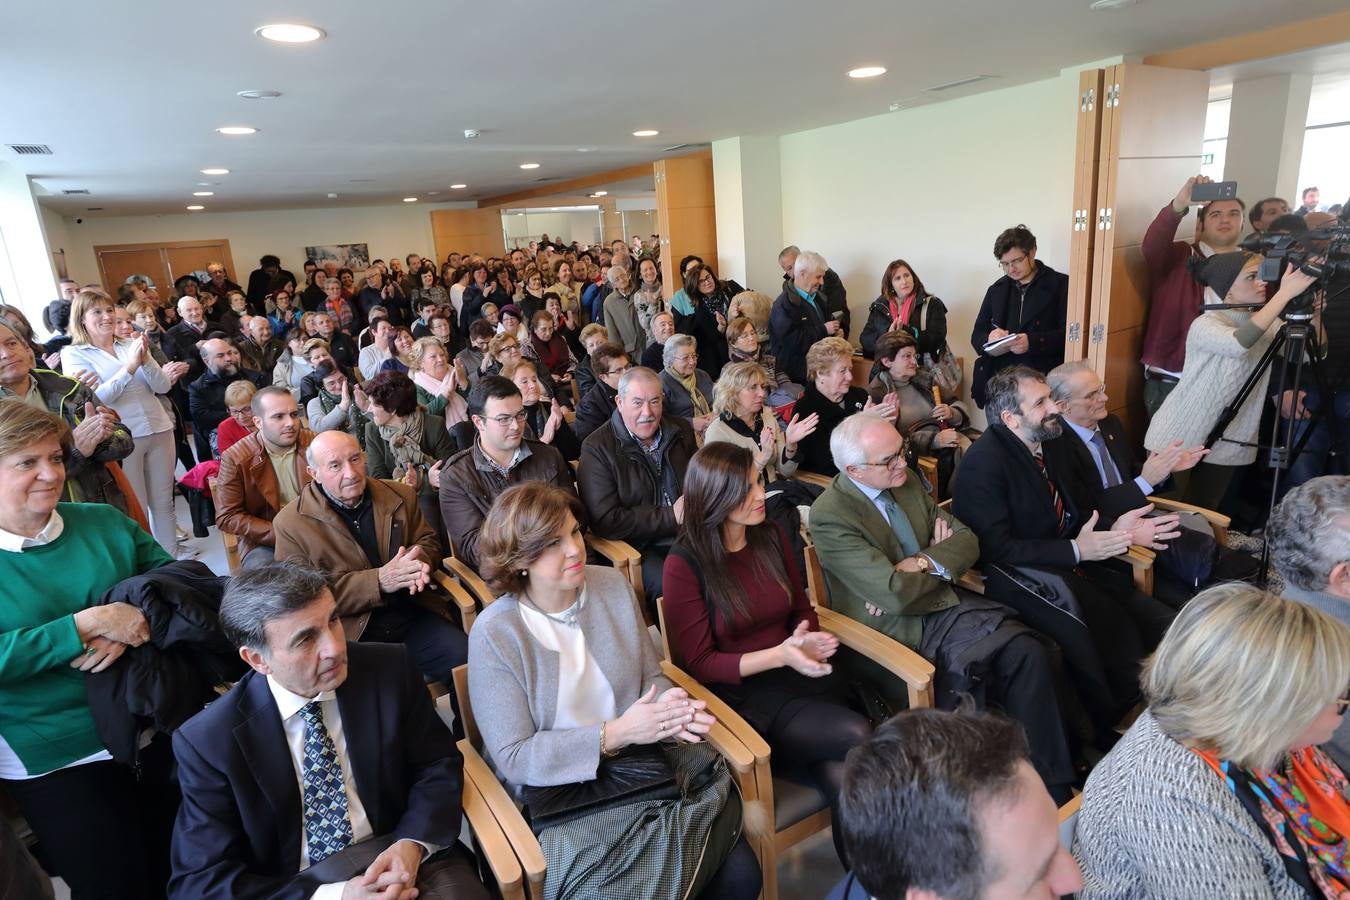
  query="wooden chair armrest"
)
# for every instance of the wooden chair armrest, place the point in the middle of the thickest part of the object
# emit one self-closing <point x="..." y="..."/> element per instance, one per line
<point x="972" y="581"/>
<point x="747" y="737"/>
<point x="496" y="849"/>
<point x="475" y="585"/>
<point x="1217" y="520"/>
<point x="928" y="468"/>
<point x="901" y="661"/>
<point x="822" y="481"/>
<point x="468" y="609"/>
<point x="620" y="553"/>
<point x="1071" y="808"/>
<point x="1138" y="556"/>
<point x="509" y="819"/>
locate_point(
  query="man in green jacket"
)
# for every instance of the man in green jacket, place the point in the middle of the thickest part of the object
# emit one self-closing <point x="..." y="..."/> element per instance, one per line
<point x="890" y="558"/>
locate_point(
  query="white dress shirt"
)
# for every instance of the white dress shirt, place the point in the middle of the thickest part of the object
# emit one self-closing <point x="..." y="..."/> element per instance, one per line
<point x="874" y="494"/>
<point x="134" y="397"/>
<point x="585" y="696"/>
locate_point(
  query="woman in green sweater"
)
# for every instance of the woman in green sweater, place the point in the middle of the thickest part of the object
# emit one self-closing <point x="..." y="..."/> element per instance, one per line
<point x="92" y="816"/>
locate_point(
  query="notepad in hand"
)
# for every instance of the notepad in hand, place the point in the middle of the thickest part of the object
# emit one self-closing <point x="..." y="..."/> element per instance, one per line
<point x="1000" y="346"/>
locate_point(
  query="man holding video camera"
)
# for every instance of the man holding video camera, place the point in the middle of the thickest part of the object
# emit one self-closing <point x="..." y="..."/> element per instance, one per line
<point x="1175" y="295"/>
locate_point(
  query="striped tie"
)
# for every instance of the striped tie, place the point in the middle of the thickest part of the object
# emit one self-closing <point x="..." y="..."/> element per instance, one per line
<point x="1055" y="498"/>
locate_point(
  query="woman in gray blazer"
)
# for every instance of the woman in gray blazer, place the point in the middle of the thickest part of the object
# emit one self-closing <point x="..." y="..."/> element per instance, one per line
<point x="1219" y="789"/>
<point x="563" y="675"/>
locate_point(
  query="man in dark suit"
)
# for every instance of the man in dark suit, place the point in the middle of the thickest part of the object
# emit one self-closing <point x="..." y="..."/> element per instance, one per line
<point x="324" y="772"/>
<point x="1048" y="559"/>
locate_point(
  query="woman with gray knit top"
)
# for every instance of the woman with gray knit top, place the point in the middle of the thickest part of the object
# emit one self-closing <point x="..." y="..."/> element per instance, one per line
<point x="1222" y="348"/>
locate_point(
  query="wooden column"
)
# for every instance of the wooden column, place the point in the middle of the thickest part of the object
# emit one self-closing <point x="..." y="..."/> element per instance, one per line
<point x="1084" y="203"/>
<point x="611" y="221"/>
<point x="684" y="214"/>
<point x="467" y="231"/>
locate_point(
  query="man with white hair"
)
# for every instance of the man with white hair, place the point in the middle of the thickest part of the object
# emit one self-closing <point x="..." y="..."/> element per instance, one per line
<point x="891" y="557"/>
<point x="1309" y="535"/>
<point x="621" y="315"/>
<point x="804" y="314"/>
<point x="258" y="349"/>
<point x="833" y="287"/>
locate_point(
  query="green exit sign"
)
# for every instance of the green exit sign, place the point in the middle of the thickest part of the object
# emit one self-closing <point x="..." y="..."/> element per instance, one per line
<point x="1207" y="159"/>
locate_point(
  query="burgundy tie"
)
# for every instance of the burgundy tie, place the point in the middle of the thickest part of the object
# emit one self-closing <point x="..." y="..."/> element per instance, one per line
<point x="1055" y="498"/>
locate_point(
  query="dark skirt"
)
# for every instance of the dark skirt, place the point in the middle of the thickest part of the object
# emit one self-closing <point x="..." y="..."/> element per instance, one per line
<point x="767" y="701"/>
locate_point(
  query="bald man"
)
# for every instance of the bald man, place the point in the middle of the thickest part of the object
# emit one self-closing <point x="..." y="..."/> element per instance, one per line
<point x="206" y="395"/>
<point x="371" y="539"/>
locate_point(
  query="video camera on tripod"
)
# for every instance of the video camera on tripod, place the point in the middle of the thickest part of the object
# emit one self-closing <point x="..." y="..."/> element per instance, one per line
<point x="1323" y="254"/>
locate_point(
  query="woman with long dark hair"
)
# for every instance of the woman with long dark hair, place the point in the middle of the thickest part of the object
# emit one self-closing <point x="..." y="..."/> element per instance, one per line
<point x="904" y="305"/>
<point x="742" y="625"/>
<point x="706" y="320"/>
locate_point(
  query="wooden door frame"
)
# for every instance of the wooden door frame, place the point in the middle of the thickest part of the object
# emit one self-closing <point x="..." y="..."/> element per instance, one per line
<point x="174" y="245"/>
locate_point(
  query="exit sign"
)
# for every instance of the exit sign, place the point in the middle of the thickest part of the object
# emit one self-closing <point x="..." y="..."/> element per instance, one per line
<point x="1207" y="159"/>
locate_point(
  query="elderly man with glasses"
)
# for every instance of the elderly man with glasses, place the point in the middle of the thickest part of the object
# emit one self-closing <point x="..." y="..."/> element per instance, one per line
<point x="891" y="558"/>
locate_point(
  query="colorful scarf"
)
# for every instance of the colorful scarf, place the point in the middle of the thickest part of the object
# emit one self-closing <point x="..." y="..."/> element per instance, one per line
<point x="690" y="384"/>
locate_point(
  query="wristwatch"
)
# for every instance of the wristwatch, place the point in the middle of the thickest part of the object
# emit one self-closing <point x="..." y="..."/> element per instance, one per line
<point x="925" y="566"/>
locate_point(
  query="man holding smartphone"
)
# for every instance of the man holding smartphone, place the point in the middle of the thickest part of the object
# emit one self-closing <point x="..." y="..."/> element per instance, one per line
<point x="1176" y="296"/>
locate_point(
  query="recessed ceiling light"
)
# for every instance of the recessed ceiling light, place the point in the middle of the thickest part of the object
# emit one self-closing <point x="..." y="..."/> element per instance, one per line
<point x="585" y="149"/>
<point x="203" y="193"/>
<point x="237" y="129"/>
<point x="409" y="199"/>
<point x="867" y="72"/>
<point x="646" y="132"/>
<point x="196" y="206"/>
<point x="600" y="194"/>
<point x="458" y="187"/>
<point x="215" y="171"/>
<point x="289" y="33"/>
<point x="529" y="165"/>
<point x="259" y="95"/>
<point x="1109" y="5"/>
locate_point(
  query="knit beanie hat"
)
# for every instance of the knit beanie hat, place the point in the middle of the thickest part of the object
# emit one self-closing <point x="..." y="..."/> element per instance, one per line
<point x="511" y="309"/>
<point x="1219" y="271"/>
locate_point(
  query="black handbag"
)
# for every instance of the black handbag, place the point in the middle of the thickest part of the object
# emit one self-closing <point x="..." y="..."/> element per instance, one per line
<point x="636" y="774"/>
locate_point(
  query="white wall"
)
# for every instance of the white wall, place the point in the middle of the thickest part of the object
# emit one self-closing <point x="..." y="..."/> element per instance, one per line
<point x="389" y="230"/>
<point x="935" y="185"/>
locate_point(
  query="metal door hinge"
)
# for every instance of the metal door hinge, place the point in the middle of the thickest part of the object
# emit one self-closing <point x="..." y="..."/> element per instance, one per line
<point x="1109" y="216"/>
<point x="1088" y="100"/>
<point x="1113" y="95"/>
<point x="1075" y="332"/>
<point x="1098" y="333"/>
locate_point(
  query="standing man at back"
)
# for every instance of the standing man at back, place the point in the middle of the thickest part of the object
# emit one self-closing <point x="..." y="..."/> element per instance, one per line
<point x="1175" y="295"/>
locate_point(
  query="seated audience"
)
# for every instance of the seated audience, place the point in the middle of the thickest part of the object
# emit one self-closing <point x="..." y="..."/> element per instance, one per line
<point x="687" y="389"/>
<point x="103" y="827"/>
<point x="425" y="307"/>
<point x="545" y="418"/>
<point x="291" y="366"/>
<point x="552" y="719"/>
<point x="1223" y="347"/>
<point x="98" y="437"/>
<point x="402" y="342"/>
<point x="945" y="806"/>
<point x="597" y="405"/>
<point x="663" y="328"/>
<point x="549" y="349"/>
<point x="564" y="287"/>
<point x="284" y="317"/>
<point x="366" y="336"/>
<point x="1040" y="554"/>
<point x="345" y="311"/>
<point x="511" y="321"/>
<point x="404" y="443"/>
<point x="475" y="358"/>
<point x="427" y="291"/>
<point x="369" y="536"/>
<point x="906" y="307"/>
<point x="1218" y="789"/>
<point x="933" y="425"/>
<point x="234" y="315"/>
<point x="831" y="398"/>
<point x="239" y="423"/>
<point x="566" y="322"/>
<point x="743" y="345"/>
<point x="1308" y="534"/>
<point x="501" y="456"/>
<point x="530" y="299"/>
<point x="592" y="336"/>
<point x="379" y="350"/>
<point x="741" y="623"/>
<point x="262" y="473"/>
<point x="891" y="558"/>
<point x="340" y="343"/>
<point x="1030" y="302"/>
<point x="632" y="474"/>
<point x="480" y="290"/>
<point x="206" y="395"/>
<point x="647" y="298"/>
<point x="332" y="750"/>
<point x="740" y="418"/>
<point x="129" y="381"/>
<point x="803" y="315"/>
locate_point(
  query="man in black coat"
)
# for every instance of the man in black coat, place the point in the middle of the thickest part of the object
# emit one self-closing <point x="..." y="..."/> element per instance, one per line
<point x="1047" y="558"/>
<point x="1030" y="301"/>
<point x="182" y="342"/>
<point x="260" y="281"/>
<point x="340" y="343"/>
<point x="804" y="314"/>
<point x="324" y="765"/>
<point x="597" y="405"/>
<point x="631" y="477"/>
<point x="832" y="287"/>
<point x="206" y="395"/>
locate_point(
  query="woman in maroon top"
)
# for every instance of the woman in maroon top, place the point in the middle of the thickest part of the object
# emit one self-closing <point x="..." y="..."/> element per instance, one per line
<point x="550" y="348"/>
<point x="742" y="625"/>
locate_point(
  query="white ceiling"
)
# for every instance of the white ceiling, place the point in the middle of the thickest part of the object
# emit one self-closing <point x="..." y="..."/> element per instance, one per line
<point x="128" y="94"/>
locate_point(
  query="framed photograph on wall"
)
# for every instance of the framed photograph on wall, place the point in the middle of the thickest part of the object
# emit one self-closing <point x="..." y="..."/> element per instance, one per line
<point x="340" y="256"/>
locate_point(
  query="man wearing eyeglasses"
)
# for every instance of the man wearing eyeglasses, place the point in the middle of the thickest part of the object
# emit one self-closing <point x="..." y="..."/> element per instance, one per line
<point x="891" y="558"/>
<point x="502" y="455"/>
<point x="1025" y="311"/>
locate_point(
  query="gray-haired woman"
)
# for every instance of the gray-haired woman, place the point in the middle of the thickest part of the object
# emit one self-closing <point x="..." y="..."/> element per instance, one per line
<point x="688" y="390"/>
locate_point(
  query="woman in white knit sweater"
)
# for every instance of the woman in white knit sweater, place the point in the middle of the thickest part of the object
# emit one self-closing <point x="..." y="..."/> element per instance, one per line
<point x="740" y="417"/>
<point x="1222" y="348"/>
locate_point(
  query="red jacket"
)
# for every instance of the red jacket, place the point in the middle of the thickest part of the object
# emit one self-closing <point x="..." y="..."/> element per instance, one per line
<point x="1176" y="296"/>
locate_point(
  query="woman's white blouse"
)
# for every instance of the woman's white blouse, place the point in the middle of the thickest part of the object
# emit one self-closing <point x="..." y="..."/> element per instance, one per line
<point x="585" y="696"/>
<point x="134" y="397"/>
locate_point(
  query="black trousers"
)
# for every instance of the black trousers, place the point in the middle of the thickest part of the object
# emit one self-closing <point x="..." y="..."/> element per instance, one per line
<point x="435" y="645"/>
<point x="738" y="879"/>
<point x="103" y="831"/>
<point x="449" y="875"/>
<point x="1025" y="687"/>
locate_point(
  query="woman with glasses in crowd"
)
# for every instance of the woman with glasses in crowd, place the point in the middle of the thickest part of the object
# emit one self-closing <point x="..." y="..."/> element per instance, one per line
<point x="687" y="389"/>
<point x="706" y="320"/>
<point x="832" y="398"/>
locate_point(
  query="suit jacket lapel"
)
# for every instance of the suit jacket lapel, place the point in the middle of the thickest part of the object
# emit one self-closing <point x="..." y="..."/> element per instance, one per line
<point x="878" y="529"/>
<point x="262" y="741"/>
<point x="361" y="727"/>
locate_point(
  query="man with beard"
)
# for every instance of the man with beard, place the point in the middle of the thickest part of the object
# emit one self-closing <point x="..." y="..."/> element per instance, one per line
<point x="1051" y="561"/>
<point x="206" y="395"/>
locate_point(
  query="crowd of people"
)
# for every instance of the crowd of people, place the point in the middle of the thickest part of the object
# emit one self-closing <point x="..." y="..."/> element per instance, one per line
<point x="352" y="430"/>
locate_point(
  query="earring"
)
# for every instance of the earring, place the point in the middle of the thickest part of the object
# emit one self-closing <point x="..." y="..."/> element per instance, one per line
<point x="524" y="573"/>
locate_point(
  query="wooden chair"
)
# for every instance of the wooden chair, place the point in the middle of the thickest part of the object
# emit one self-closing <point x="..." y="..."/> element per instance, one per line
<point x="927" y="467"/>
<point x="231" y="541"/>
<point x="1142" y="559"/>
<point x="511" y="821"/>
<point x="624" y="557"/>
<point x="469" y="579"/>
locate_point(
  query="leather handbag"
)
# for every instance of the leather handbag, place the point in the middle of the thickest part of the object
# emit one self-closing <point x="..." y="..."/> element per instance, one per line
<point x="636" y="774"/>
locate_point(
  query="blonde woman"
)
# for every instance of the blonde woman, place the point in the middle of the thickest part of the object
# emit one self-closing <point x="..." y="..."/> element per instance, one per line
<point x="740" y="418"/>
<point x="1219" y="789"/>
<point x="831" y="396"/>
<point x="125" y="376"/>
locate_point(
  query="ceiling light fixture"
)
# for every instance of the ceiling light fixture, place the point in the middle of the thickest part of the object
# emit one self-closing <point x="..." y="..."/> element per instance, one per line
<point x="203" y="193"/>
<point x="529" y="165"/>
<point x="409" y="199"/>
<point x="258" y="95"/>
<point x="237" y="129"/>
<point x="1110" y="5"/>
<point x="458" y="187"/>
<point x="646" y="132"/>
<point x="600" y="194"/>
<point x="215" y="171"/>
<point x="585" y="149"/>
<point x="867" y="72"/>
<point x="290" y="33"/>
<point x="196" y="206"/>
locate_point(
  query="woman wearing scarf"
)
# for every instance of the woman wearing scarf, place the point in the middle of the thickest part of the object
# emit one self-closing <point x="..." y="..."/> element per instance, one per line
<point x="339" y="406"/>
<point x="706" y="321"/>
<point x="437" y="381"/>
<point x="687" y="389"/>
<point x="550" y="348"/>
<point x="405" y="444"/>
<point x="1219" y="788"/>
<point x="739" y="404"/>
<point x="647" y="297"/>
<point x="904" y="305"/>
